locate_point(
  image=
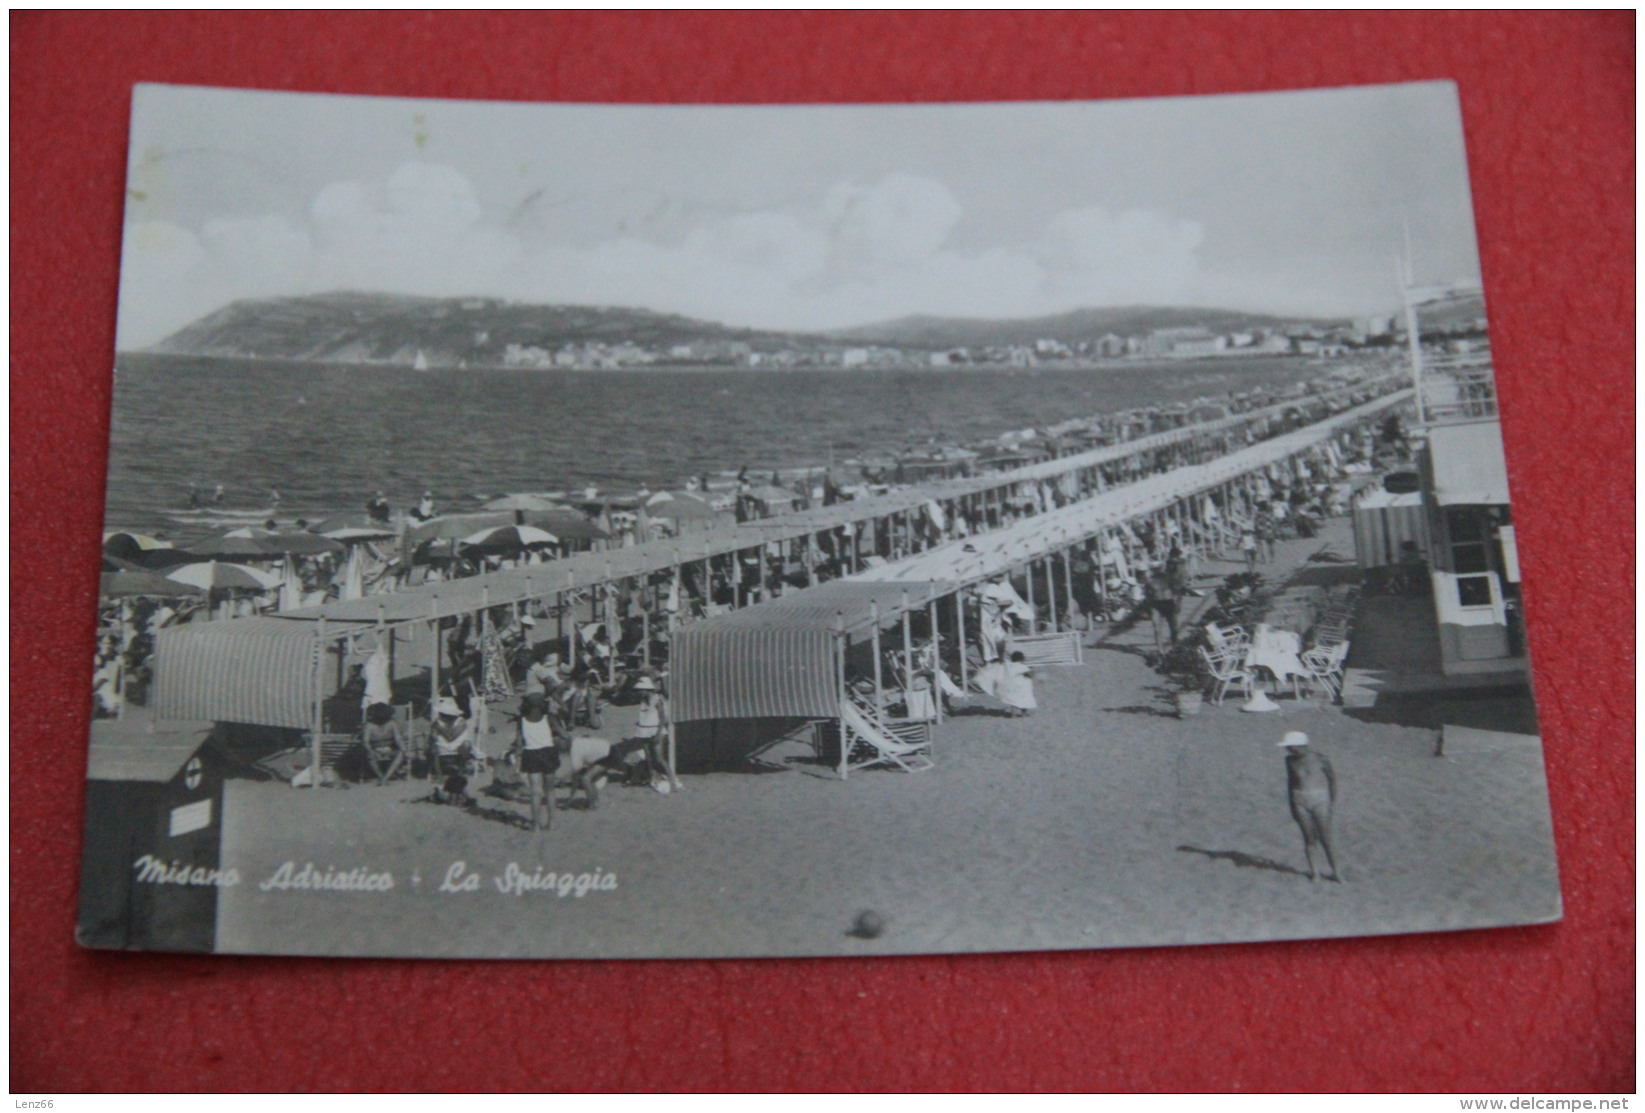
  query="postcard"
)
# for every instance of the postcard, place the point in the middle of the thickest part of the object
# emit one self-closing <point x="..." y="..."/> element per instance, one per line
<point x="598" y="531"/>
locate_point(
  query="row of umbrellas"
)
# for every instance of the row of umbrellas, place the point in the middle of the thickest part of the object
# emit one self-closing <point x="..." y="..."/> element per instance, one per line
<point x="137" y="564"/>
<point x="186" y="580"/>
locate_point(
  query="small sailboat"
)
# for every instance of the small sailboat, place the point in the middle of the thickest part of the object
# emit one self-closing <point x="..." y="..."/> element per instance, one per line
<point x="421" y="362"/>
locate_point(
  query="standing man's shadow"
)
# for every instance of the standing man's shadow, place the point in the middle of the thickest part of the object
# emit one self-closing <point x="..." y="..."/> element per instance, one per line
<point x="1244" y="860"/>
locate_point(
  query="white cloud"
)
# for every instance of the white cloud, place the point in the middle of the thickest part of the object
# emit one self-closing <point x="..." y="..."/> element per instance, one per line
<point x="861" y="252"/>
<point x="1093" y="256"/>
<point x="899" y="221"/>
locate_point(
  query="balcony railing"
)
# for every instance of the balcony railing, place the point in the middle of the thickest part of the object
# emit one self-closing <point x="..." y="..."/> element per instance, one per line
<point x="1457" y="388"/>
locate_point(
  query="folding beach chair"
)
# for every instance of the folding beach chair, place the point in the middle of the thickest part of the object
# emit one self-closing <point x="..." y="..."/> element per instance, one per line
<point x="882" y="746"/>
<point x="1230" y="672"/>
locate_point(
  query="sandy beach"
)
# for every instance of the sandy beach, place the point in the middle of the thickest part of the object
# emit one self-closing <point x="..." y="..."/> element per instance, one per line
<point x="1103" y="820"/>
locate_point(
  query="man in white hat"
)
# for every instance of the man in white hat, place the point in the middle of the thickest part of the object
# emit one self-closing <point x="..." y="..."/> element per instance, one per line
<point x="1312" y="786"/>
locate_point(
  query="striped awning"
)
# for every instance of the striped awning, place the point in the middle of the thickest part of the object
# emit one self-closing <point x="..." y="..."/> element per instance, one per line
<point x="249" y="670"/>
<point x="776" y="660"/>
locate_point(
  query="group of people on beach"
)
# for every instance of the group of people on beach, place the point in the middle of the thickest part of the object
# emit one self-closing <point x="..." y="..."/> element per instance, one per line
<point x="552" y="735"/>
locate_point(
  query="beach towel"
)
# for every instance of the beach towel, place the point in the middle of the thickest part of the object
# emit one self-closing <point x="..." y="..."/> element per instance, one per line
<point x="378" y="687"/>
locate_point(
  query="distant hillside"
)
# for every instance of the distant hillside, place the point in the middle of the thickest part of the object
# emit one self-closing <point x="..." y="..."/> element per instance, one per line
<point x="1070" y="328"/>
<point x="372" y="328"/>
<point x="478" y="332"/>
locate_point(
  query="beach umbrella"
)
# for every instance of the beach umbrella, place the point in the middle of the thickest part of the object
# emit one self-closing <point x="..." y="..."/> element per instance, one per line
<point x="566" y="524"/>
<point x="119" y="542"/>
<point x="241" y="543"/>
<point x="143" y="552"/>
<point x="508" y="538"/>
<point x="348" y="535"/>
<point x="679" y="506"/>
<point x="455" y="527"/>
<point x="216" y="575"/>
<point x="252" y="541"/>
<point x="435" y="548"/>
<point x="523" y="502"/>
<point x="141" y="581"/>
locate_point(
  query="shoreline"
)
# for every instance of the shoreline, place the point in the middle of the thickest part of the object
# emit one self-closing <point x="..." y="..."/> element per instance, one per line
<point x="1126" y="363"/>
<point x="1303" y="377"/>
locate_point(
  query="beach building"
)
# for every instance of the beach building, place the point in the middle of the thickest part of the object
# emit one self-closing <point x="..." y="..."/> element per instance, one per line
<point x="148" y="874"/>
<point x="1472" y="556"/>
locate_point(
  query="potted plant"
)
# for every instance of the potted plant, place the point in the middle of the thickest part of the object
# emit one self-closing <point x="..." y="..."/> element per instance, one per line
<point x="1185" y="667"/>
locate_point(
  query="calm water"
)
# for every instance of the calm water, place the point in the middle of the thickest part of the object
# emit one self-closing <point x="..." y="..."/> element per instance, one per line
<point x="328" y="436"/>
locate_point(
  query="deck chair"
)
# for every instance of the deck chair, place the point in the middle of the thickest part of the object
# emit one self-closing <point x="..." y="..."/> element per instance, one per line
<point x="884" y="748"/>
<point x="1230" y="672"/>
<point x="1324" y="664"/>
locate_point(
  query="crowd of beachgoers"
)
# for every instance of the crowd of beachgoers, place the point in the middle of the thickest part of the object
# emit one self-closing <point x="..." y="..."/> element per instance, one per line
<point x="279" y="565"/>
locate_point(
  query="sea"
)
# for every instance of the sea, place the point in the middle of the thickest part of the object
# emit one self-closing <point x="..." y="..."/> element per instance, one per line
<point x="327" y="436"/>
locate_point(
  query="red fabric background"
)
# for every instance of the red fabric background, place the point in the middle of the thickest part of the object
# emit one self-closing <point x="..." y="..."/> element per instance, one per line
<point x="1548" y="102"/>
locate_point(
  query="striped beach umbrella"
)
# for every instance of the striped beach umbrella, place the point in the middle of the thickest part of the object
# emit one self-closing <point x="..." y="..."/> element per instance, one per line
<point x="508" y="539"/>
<point x="219" y="576"/>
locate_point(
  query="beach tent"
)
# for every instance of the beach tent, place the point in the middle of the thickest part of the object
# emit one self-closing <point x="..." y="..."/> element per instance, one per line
<point x="251" y="670"/>
<point x="778" y="660"/>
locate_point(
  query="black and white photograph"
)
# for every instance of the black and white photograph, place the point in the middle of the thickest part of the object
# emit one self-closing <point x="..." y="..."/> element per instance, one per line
<point x="616" y="531"/>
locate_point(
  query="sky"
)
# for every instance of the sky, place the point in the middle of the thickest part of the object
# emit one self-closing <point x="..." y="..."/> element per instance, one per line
<point x="795" y="217"/>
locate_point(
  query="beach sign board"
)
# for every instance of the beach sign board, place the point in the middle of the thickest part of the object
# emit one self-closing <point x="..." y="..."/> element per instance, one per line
<point x="619" y="531"/>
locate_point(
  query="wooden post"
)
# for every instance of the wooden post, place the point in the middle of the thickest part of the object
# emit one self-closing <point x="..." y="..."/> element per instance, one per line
<point x="936" y="660"/>
<point x="319" y="711"/>
<point x="439" y="649"/>
<point x="393" y="640"/>
<point x="1033" y="610"/>
<point x="1068" y="576"/>
<point x="1051" y="587"/>
<point x="610" y="631"/>
<point x="907" y="649"/>
<point x="879" y="682"/>
<point x="959" y="634"/>
<point x="839" y="666"/>
<point x="645" y="627"/>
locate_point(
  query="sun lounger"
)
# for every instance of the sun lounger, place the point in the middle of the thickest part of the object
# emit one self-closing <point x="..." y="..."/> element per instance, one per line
<point x="884" y="747"/>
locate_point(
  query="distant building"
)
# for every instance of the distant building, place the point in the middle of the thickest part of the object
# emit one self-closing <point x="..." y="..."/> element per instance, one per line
<point x="1205" y="346"/>
<point x="1172" y="341"/>
<point x="1110" y="346"/>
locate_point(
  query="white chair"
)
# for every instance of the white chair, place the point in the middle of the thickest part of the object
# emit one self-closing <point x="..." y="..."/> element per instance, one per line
<point x="1230" y="672"/>
<point x="1324" y="664"/>
<point x="1228" y="639"/>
